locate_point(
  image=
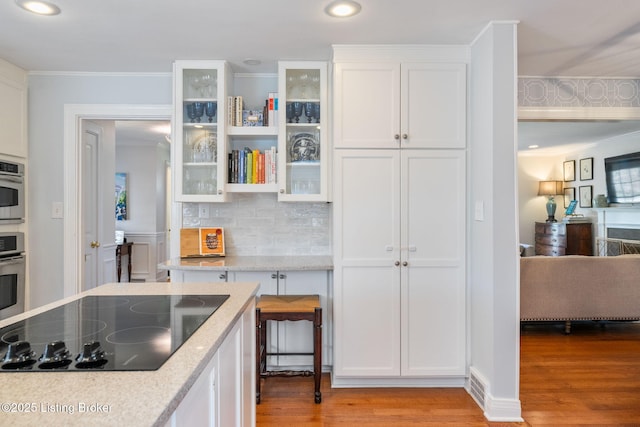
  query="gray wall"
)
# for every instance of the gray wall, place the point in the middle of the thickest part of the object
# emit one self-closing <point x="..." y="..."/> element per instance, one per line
<point x="48" y="94"/>
<point x="494" y="261"/>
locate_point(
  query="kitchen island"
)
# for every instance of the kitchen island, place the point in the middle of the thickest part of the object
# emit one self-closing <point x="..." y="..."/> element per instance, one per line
<point x="211" y="376"/>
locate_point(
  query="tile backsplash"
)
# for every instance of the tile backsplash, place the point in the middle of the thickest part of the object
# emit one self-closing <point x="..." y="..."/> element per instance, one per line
<point x="257" y="224"/>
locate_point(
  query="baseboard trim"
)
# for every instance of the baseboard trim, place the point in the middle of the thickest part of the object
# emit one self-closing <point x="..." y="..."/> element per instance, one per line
<point x="498" y="410"/>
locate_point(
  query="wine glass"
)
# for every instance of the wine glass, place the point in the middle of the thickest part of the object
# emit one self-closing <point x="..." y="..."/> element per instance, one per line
<point x="308" y="111"/>
<point x="210" y="109"/>
<point x="316" y="112"/>
<point x="289" y="111"/>
<point x="207" y="82"/>
<point x="297" y="110"/>
<point x="304" y="81"/>
<point x="191" y="112"/>
<point x="198" y="108"/>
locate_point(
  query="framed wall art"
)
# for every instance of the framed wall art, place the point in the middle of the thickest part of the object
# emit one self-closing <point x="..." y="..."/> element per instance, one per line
<point x="569" y="168"/>
<point x="569" y="196"/>
<point x="586" y="195"/>
<point x="121" y="196"/>
<point x="586" y="169"/>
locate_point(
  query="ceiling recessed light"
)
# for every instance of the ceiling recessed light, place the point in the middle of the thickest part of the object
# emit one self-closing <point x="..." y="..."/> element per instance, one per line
<point x="252" y="61"/>
<point x="342" y="8"/>
<point x="39" y="7"/>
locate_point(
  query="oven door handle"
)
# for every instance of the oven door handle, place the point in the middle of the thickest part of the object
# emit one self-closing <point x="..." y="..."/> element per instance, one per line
<point x="12" y="260"/>
<point x="12" y="178"/>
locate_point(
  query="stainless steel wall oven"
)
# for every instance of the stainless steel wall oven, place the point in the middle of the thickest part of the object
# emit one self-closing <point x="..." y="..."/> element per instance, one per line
<point x="12" y="274"/>
<point x="11" y="192"/>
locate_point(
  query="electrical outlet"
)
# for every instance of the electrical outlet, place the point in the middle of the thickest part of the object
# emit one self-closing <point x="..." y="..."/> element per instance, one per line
<point x="203" y="212"/>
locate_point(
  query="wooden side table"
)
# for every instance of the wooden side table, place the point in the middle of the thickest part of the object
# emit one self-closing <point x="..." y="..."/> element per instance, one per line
<point x="124" y="249"/>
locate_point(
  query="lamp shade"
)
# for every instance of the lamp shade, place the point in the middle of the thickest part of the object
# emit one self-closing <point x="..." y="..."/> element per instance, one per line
<point x="550" y="188"/>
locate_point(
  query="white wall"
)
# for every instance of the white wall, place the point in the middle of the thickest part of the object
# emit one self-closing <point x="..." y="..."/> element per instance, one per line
<point x="146" y="192"/>
<point x="494" y="266"/>
<point x="48" y="94"/>
<point x="535" y="165"/>
<point x="531" y="170"/>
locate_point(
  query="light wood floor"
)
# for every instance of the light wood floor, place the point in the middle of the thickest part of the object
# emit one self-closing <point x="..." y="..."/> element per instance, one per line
<point x="591" y="377"/>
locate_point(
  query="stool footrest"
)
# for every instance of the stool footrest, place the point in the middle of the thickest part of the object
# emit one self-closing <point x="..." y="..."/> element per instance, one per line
<point x="287" y="374"/>
<point x="289" y="354"/>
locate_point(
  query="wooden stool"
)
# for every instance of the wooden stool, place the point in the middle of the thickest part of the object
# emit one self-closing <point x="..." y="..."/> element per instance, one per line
<point x="288" y="307"/>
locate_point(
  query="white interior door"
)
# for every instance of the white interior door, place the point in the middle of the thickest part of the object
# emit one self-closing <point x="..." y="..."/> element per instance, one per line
<point x="91" y="135"/>
<point x="97" y="195"/>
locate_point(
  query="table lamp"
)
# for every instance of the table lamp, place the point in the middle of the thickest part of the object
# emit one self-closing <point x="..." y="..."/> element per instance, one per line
<point x="551" y="189"/>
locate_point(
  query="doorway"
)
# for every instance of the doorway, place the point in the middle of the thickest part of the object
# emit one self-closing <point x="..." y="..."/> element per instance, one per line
<point x="73" y="164"/>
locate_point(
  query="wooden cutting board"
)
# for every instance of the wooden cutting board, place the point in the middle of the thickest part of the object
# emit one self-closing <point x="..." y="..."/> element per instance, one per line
<point x="189" y="242"/>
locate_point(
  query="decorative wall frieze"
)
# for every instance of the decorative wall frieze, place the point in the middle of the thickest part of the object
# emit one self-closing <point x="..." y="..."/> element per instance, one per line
<point x="578" y="92"/>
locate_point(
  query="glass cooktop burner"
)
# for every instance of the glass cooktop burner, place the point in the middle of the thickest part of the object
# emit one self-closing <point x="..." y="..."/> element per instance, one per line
<point x="105" y="333"/>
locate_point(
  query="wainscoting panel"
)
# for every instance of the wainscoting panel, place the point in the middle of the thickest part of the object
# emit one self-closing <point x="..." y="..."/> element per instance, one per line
<point x="148" y="251"/>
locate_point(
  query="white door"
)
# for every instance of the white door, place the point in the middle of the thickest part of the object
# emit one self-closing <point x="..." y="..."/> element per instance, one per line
<point x="367" y="105"/>
<point x="97" y="195"/>
<point x="367" y="279"/>
<point x="433" y="248"/>
<point x="433" y="107"/>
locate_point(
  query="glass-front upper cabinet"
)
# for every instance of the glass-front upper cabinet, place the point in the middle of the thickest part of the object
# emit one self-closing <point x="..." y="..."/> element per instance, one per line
<point x="302" y="138"/>
<point x="199" y="121"/>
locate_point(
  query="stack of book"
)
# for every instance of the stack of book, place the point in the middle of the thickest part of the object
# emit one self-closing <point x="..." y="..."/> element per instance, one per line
<point x="249" y="166"/>
<point x="237" y="116"/>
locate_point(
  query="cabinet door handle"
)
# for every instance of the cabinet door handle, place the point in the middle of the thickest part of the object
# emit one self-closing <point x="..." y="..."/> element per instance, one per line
<point x="274" y="276"/>
<point x="222" y="276"/>
<point x="405" y="263"/>
<point x="282" y="276"/>
<point x="219" y="191"/>
<point x="396" y="136"/>
<point x="282" y="191"/>
<point x="405" y="136"/>
<point x="397" y="263"/>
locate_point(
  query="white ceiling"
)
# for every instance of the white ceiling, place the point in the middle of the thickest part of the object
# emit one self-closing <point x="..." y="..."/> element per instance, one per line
<point x="555" y="38"/>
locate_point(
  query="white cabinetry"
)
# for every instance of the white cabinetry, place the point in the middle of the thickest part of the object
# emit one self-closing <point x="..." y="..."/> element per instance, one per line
<point x="224" y="393"/>
<point x="199" y="152"/>
<point x="214" y="155"/>
<point x="295" y="337"/>
<point x="392" y="104"/>
<point x="13" y="110"/>
<point x="302" y="140"/>
<point x="399" y="225"/>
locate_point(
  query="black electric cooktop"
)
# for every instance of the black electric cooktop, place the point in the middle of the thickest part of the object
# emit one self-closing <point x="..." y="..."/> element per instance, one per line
<point x="105" y="333"/>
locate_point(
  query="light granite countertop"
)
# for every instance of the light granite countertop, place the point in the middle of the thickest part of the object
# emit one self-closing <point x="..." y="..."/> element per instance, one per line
<point x="134" y="398"/>
<point x="252" y="263"/>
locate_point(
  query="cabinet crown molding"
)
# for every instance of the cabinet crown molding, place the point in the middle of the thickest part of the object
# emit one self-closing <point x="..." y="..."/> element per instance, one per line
<point x="431" y="53"/>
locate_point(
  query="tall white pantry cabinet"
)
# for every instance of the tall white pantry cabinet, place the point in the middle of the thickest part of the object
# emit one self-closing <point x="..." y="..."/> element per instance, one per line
<point x="399" y="216"/>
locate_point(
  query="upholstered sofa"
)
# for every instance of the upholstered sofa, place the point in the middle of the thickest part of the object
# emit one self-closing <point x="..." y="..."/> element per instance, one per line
<point x="573" y="287"/>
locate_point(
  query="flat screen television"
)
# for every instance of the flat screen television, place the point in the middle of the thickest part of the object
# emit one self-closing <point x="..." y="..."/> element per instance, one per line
<point x="623" y="178"/>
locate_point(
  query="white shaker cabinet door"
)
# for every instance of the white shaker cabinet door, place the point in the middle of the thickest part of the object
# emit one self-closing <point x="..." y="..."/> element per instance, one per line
<point x="367" y="288"/>
<point x="366" y="105"/>
<point x="433" y="107"/>
<point x="433" y="278"/>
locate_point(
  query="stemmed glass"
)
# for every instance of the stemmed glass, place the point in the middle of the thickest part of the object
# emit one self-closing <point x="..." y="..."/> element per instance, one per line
<point x="316" y="112"/>
<point x="191" y="112"/>
<point x="308" y="110"/>
<point x="297" y="110"/>
<point x="304" y="81"/>
<point x="210" y="109"/>
<point x="289" y="111"/>
<point x="198" y="108"/>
